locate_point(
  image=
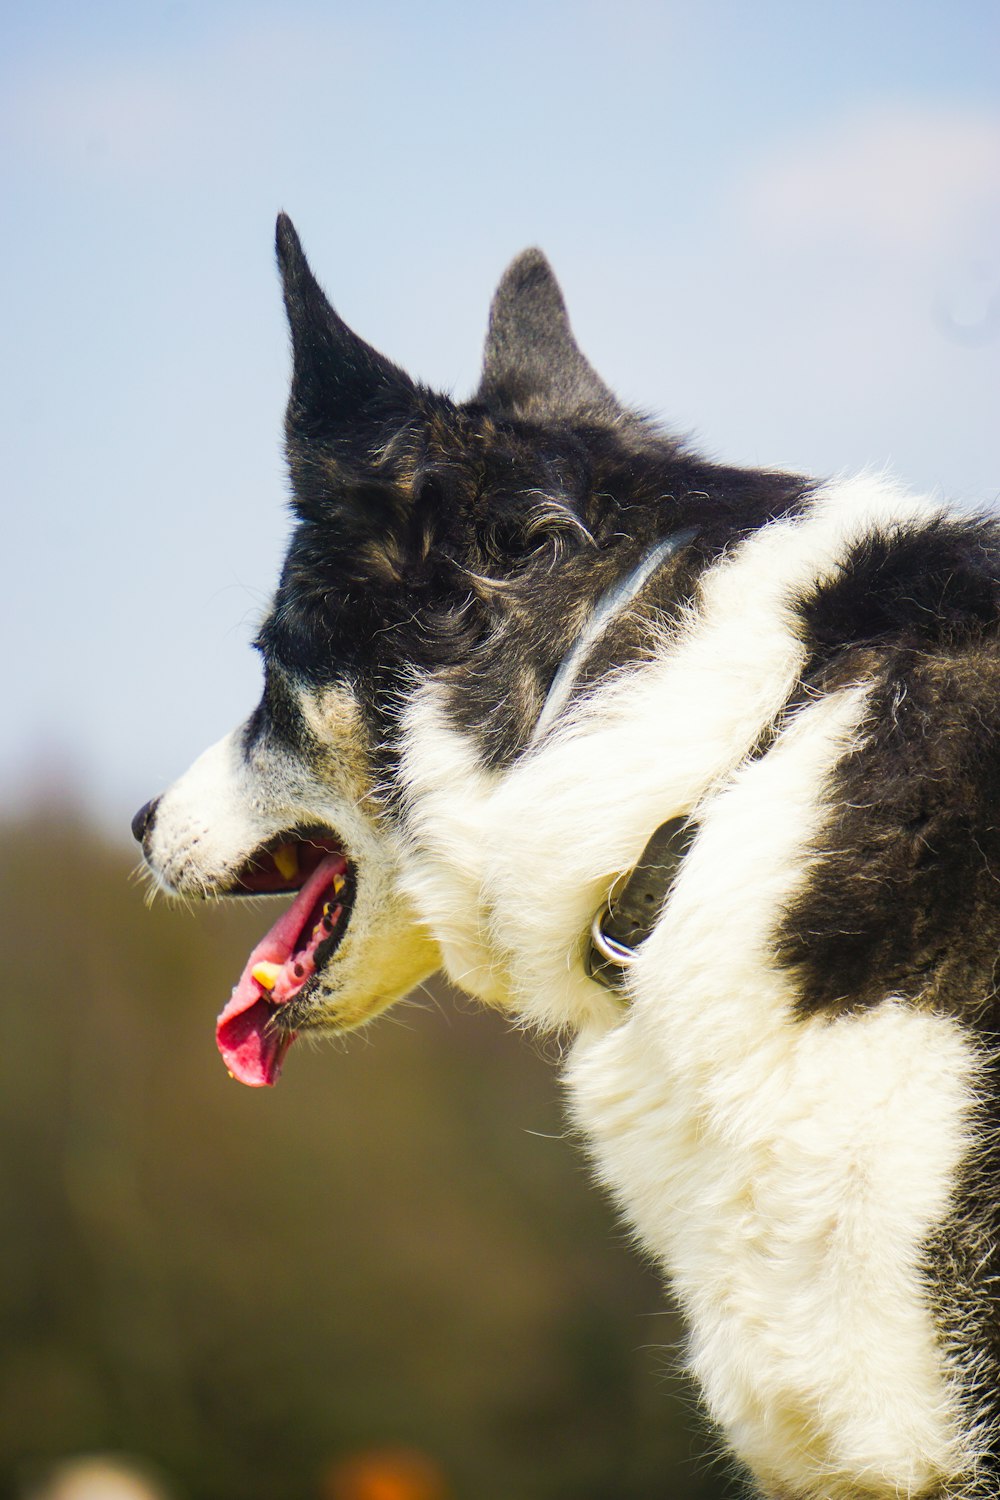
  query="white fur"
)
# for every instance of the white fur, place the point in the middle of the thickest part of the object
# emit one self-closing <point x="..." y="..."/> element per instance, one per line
<point x="785" y="1173"/>
<point x="209" y="820"/>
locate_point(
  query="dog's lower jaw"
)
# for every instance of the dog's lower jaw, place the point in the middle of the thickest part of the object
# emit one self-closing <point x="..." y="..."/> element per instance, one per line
<point x="354" y="989"/>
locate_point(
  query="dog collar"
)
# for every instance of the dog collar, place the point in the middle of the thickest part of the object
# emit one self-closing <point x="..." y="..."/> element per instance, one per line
<point x="607" y="609"/>
<point x="633" y="908"/>
<point x="637" y="898"/>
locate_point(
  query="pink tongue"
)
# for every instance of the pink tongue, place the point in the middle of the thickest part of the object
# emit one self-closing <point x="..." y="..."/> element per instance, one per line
<point x="251" y="1048"/>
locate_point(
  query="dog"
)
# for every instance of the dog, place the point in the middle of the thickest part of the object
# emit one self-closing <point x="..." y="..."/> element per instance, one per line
<point x="699" y="768"/>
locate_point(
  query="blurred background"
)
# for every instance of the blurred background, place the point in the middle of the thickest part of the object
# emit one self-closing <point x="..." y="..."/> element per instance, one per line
<point x="778" y="227"/>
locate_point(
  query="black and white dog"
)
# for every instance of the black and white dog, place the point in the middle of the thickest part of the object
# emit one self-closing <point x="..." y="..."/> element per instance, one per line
<point x="516" y="642"/>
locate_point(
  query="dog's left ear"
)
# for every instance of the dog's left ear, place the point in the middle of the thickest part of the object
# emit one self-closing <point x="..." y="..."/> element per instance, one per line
<point x="532" y="367"/>
<point x="353" y="434"/>
<point x="340" y="385"/>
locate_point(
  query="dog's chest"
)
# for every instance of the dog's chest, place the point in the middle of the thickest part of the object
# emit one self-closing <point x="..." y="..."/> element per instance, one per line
<point x="785" y="1172"/>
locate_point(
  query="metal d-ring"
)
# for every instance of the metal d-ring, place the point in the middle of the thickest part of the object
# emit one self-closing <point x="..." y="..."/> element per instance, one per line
<point x="635" y="902"/>
<point x="609" y="948"/>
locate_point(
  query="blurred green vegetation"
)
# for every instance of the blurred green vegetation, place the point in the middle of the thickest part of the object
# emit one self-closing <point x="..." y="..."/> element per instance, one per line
<point x="395" y="1246"/>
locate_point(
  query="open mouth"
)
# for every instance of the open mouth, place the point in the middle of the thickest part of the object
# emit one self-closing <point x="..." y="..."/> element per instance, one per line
<point x="252" y="1032"/>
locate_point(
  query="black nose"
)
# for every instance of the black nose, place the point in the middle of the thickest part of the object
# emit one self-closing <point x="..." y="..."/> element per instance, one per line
<point x="143" y="820"/>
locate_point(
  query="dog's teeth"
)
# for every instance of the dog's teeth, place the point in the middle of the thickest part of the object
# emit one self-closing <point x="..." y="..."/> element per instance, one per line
<point x="338" y="884"/>
<point x="266" y="974"/>
<point x="287" y="860"/>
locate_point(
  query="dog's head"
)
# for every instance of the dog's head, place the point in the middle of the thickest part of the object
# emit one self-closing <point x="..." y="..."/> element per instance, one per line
<point x="432" y="538"/>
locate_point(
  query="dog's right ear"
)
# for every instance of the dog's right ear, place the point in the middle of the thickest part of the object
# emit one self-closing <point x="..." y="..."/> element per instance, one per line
<point x="532" y="364"/>
<point x="342" y="388"/>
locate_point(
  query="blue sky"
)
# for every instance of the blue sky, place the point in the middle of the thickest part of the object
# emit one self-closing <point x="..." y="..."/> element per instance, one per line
<point x="777" y="226"/>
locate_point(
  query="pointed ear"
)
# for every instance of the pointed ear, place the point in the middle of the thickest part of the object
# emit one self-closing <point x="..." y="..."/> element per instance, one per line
<point x="532" y="366"/>
<point x="339" y="383"/>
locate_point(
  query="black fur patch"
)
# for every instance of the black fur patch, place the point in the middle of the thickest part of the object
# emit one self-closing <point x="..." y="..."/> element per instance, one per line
<point x="473" y="540"/>
<point x="903" y="899"/>
<point x="932" y="584"/>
